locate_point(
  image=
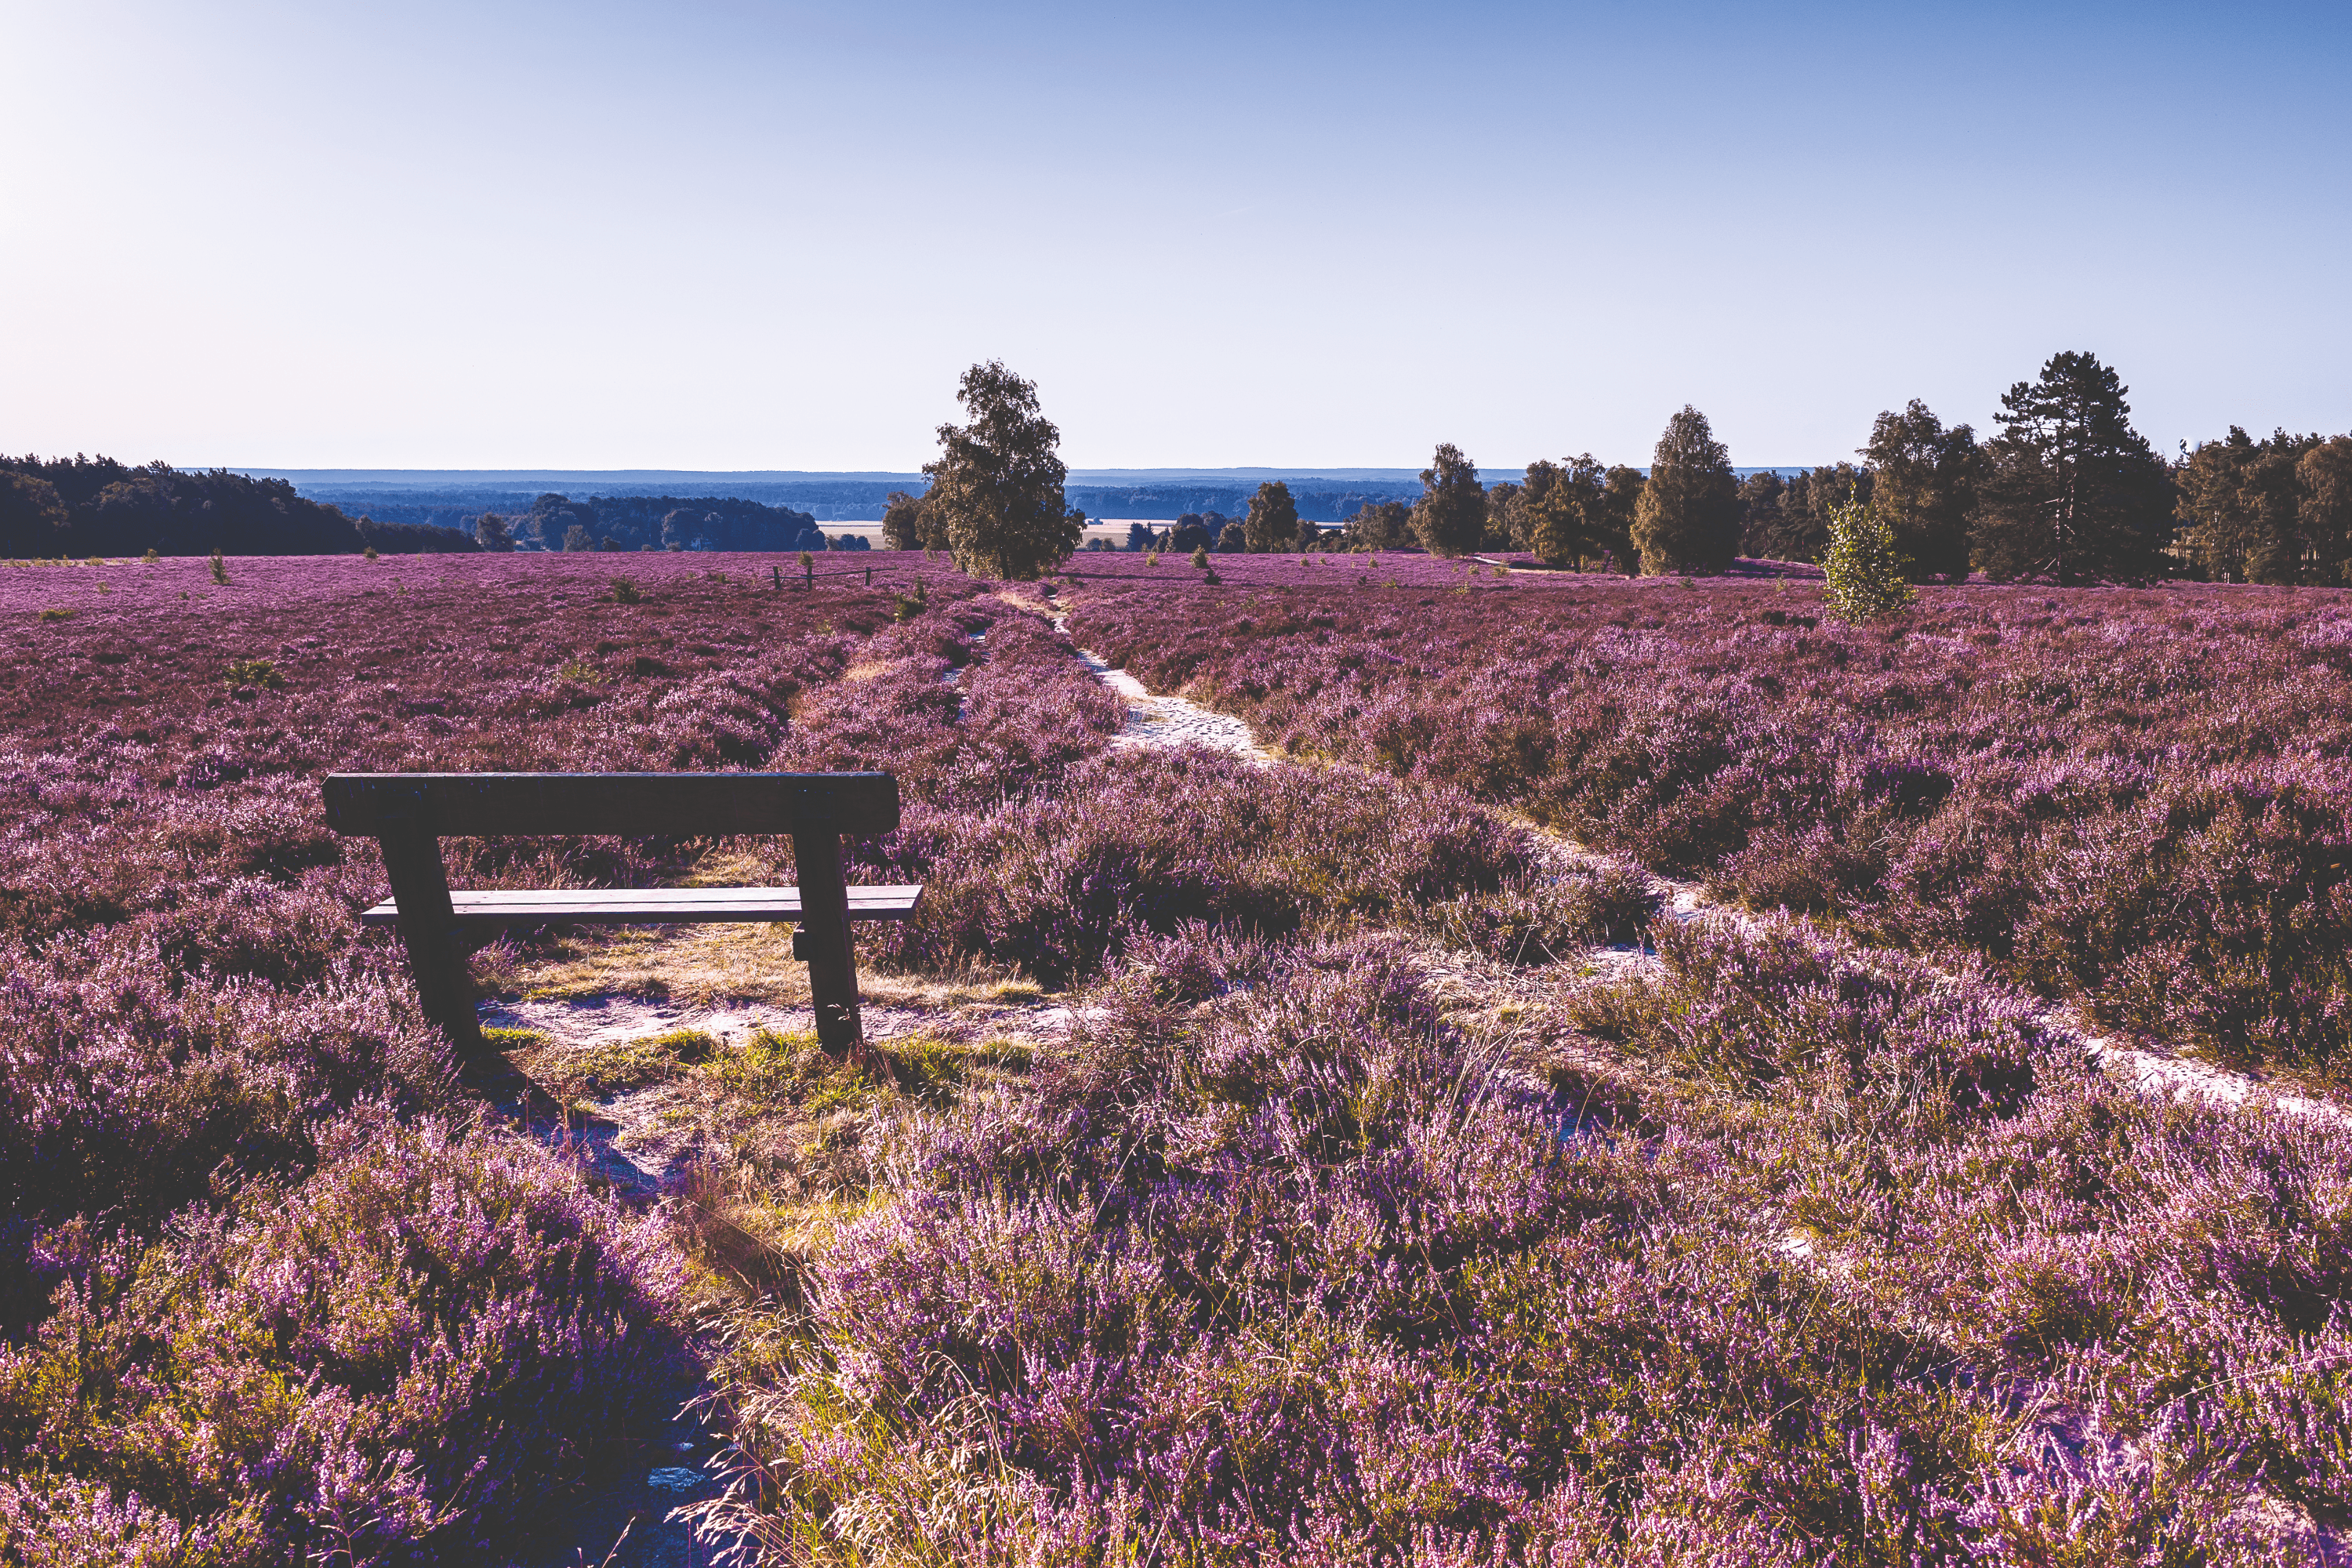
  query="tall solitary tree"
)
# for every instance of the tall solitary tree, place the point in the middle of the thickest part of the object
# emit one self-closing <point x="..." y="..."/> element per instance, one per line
<point x="1450" y="519"/>
<point x="1273" y="520"/>
<point x="1689" y="514"/>
<point x="996" y="484"/>
<point x="2071" y="491"/>
<point x="1925" y="480"/>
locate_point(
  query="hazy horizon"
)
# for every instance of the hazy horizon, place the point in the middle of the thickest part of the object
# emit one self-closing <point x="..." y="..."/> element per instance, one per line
<point x="770" y="237"/>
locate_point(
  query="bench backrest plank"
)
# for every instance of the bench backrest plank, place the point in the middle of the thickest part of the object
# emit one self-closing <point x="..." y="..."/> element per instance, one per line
<point x="467" y="804"/>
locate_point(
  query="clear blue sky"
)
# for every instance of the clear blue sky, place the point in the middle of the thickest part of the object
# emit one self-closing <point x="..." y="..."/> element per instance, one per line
<point x="738" y="235"/>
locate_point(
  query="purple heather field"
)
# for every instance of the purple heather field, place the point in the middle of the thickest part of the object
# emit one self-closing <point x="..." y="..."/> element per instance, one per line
<point x="1400" y="1184"/>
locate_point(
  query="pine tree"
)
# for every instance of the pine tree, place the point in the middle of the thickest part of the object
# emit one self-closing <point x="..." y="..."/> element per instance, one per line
<point x="1273" y="520"/>
<point x="1450" y="517"/>
<point x="2071" y="491"/>
<point x="1688" y="520"/>
<point x="2326" y="472"/>
<point x="1925" y="480"/>
<point x="2243" y="501"/>
<point x="997" y="483"/>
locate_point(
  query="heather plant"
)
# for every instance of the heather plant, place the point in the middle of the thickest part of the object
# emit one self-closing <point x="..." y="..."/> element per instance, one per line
<point x="1281" y="1260"/>
<point x="2138" y="800"/>
<point x="206" y="1067"/>
<point x="1057" y="884"/>
<point x="396" y="1355"/>
<point x="1792" y="1252"/>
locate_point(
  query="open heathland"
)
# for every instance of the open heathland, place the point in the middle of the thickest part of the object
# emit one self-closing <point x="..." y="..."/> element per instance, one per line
<point x="2138" y="800"/>
<point x="1320" y="1160"/>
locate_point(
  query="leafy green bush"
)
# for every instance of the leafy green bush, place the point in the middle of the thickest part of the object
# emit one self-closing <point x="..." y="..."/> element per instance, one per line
<point x="1868" y="578"/>
<point x="258" y="672"/>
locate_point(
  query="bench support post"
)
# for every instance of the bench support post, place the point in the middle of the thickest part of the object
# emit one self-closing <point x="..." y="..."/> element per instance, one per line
<point x="428" y="925"/>
<point x="825" y="922"/>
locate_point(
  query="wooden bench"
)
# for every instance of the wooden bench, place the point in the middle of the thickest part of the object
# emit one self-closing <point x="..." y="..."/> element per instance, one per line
<point x="410" y="814"/>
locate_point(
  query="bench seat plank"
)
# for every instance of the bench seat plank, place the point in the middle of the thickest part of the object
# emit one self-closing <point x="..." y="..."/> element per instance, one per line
<point x="650" y="905"/>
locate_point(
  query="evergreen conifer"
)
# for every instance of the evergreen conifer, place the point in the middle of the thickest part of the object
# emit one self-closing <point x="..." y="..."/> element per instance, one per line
<point x="1688" y="517"/>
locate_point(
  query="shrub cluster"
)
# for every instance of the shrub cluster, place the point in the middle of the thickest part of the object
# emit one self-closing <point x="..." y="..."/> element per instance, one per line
<point x="267" y="1292"/>
<point x="1281" y="1263"/>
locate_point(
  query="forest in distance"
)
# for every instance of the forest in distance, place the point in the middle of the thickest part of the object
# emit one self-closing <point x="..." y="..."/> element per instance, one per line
<point x="81" y="506"/>
<point x="2065" y="490"/>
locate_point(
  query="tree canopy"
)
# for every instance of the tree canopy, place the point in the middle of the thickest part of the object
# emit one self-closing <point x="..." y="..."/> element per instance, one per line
<point x="1579" y="509"/>
<point x="905" y="525"/>
<point x="1688" y="520"/>
<point x="1379" y="525"/>
<point x="2272" y="510"/>
<point x="1273" y="520"/>
<point x="996" y="485"/>
<point x="1924" y="490"/>
<point x="1450" y="517"/>
<point x="110" y="509"/>
<point x="2071" y="492"/>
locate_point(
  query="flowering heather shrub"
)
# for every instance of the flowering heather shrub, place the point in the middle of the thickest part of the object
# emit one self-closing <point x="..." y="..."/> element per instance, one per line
<point x="240" y="1320"/>
<point x="2141" y="799"/>
<point x="125" y="1097"/>
<point x="1159" y="841"/>
<point x="393" y="1359"/>
<point x="1036" y="848"/>
<point x="1280" y="1264"/>
<point x="1846" y="1263"/>
<point x="1010" y="726"/>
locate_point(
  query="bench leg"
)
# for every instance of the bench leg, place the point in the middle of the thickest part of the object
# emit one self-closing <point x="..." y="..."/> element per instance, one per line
<point x="824" y="920"/>
<point x="428" y="930"/>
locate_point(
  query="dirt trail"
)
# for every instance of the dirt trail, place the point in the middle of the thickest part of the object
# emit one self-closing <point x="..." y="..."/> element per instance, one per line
<point x="639" y="1142"/>
<point x="1157" y="721"/>
<point x="1489" y="989"/>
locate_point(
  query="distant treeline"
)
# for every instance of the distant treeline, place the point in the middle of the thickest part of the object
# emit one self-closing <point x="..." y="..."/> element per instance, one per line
<point x="2063" y="490"/>
<point x="96" y="506"/>
<point x="652" y="522"/>
<point x="83" y="506"/>
<point x="1314" y="503"/>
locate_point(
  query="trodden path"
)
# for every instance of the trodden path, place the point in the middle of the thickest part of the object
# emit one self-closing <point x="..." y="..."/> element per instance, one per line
<point x="1170" y="722"/>
<point x="1155" y="720"/>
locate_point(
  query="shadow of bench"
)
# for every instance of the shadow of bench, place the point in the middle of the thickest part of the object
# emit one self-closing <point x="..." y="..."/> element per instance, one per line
<point x="410" y="814"/>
